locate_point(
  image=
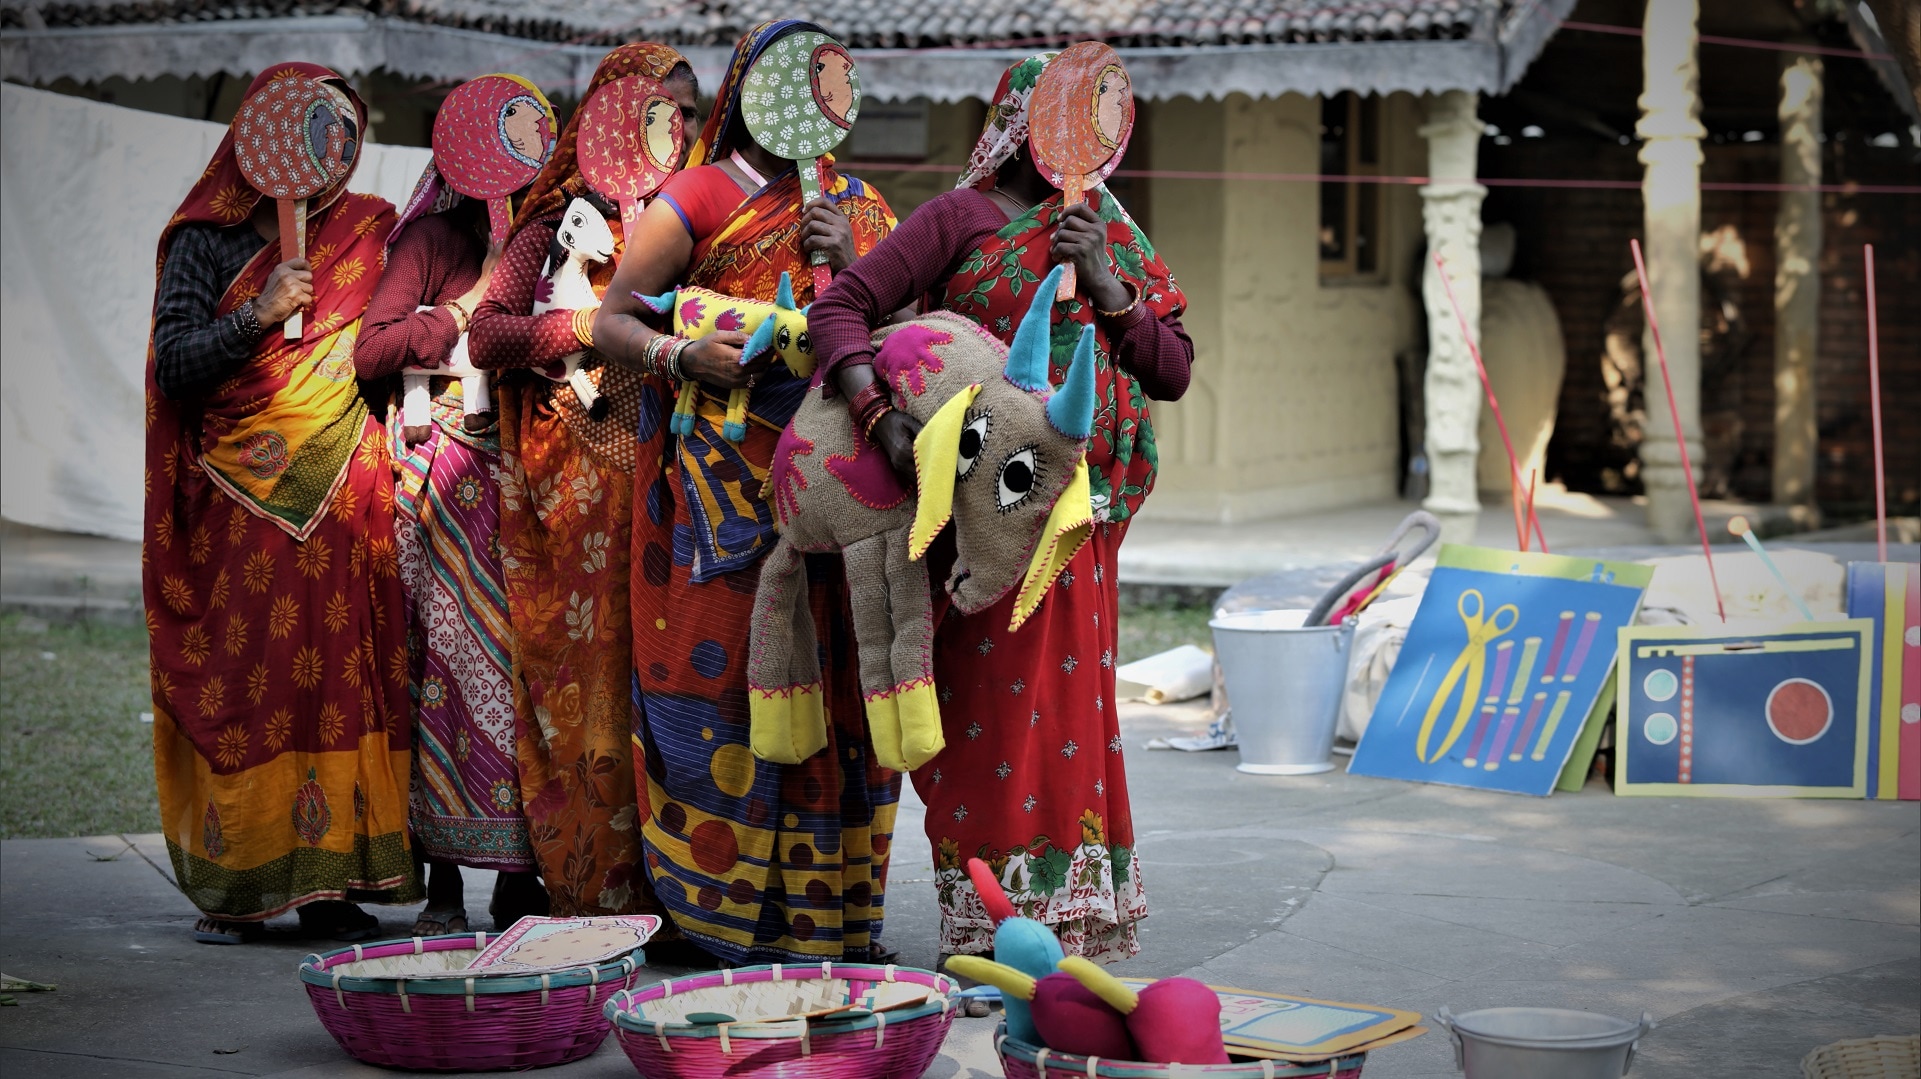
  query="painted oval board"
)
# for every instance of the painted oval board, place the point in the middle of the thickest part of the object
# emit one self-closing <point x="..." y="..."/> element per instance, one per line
<point x="1081" y="115"/>
<point x="801" y="97"/>
<point x="296" y="138"/>
<point x="630" y="138"/>
<point x="492" y="136"/>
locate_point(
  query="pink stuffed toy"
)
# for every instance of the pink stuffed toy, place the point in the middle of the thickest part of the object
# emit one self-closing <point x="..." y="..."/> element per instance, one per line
<point x="1172" y="1021"/>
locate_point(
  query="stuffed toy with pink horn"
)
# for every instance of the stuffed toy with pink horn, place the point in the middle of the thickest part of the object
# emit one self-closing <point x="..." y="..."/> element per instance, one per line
<point x="1067" y="1016"/>
<point x="1021" y="944"/>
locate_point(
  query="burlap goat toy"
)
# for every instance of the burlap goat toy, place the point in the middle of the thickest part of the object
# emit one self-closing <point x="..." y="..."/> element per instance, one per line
<point x="999" y="453"/>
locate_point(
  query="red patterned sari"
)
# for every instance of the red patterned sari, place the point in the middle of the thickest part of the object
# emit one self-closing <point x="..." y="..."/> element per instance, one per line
<point x="272" y="594"/>
<point x="1032" y="781"/>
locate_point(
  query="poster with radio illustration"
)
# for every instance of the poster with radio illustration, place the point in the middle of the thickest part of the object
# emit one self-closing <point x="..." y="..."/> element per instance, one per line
<point x="1709" y="713"/>
<point x="1502" y="669"/>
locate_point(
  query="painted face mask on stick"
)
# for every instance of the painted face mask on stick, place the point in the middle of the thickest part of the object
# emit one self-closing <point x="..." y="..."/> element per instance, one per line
<point x="1001" y="454"/>
<point x="296" y="141"/>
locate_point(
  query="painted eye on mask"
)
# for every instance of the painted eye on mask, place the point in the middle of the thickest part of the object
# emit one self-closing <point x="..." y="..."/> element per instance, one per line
<point x="1016" y="479"/>
<point x="972" y="438"/>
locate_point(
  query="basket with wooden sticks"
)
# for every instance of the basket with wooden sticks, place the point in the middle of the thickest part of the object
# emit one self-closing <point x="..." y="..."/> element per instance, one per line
<point x="787" y="1022"/>
<point x="1886" y="1057"/>
<point x="397" y="1004"/>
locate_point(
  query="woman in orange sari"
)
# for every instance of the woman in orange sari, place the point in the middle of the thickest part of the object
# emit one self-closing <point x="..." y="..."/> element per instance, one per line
<point x="757" y="862"/>
<point x="566" y="500"/>
<point x="270" y="578"/>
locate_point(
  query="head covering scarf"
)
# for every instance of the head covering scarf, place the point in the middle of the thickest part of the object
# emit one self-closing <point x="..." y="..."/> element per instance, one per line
<point x="1006" y="129"/>
<point x="561" y="182"/>
<point x="432" y="195"/>
<point x="724" y="130"/>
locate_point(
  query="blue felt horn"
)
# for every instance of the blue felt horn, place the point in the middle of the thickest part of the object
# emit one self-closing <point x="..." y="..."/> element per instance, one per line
<point x="1071" y="409"/>
<point x="784" y="294"/>
<point x="660" y="304"/>
<point x="1027" y="358"/>
<point x="762" y="340"/>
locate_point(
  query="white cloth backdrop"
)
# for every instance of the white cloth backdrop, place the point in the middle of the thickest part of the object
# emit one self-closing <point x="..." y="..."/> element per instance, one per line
<point x="85" y="189"/>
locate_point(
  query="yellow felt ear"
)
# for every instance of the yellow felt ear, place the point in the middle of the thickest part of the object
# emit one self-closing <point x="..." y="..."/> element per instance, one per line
<point x="1014" y="983"/>
<point x="1101" y="984"/>
<point x="1068" y="526"/>
<point x="936" y="457"/>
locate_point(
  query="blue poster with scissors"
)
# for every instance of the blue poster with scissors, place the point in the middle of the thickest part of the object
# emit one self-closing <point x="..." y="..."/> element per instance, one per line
<point x="1499" y="672"/>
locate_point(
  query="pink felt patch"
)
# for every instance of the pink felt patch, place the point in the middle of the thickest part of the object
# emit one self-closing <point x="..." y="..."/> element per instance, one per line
<point x="785" y="476"/>
<point x="907" y="357"/>
<point x="691" y="311"/>
<point x="730" y="319"/>
<point x="1178" y="1021"/>
<point x="867" y="475"/>
<point x="1071" y="1019"/>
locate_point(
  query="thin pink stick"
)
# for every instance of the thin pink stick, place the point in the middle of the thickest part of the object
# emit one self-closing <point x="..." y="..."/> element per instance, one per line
<point x="1874" y="408"/>
<point x="1474" y="350"/>
<point x="1674" y="413"/>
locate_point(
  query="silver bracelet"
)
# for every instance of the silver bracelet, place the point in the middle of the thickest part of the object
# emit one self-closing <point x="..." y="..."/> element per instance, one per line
<point x="247" y="321"/>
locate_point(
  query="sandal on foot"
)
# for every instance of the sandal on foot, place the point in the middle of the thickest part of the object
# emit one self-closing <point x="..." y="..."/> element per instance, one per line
<point x="218" y="931"/>
<point x="339" y="921"/>
<point x="440" y="923"/>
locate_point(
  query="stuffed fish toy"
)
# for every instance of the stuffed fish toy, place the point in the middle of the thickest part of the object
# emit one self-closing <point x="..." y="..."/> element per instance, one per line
<point x="779" y="326"/>
<point x="1001" y="454"/>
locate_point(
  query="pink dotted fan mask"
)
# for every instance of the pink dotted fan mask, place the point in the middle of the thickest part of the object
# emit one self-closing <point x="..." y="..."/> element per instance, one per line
<point x="491" y="138"/>
<point x="630" y="141"/>
<point x="1080" y="116"/>
<point x="296" y="140"/>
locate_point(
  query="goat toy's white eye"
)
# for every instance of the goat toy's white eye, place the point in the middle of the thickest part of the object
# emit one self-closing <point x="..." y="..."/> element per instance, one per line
<point x="972" y="438"/>
<point x="566" y="237"/>
<point x="1017" y="478"/>
<point x="577" y="220"/>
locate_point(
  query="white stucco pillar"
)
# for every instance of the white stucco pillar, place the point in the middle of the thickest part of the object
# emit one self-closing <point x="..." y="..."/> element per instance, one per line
<point x="1451" y="213"/>
<point x="1797" y="282"/>
<point x="1671" y="131"/>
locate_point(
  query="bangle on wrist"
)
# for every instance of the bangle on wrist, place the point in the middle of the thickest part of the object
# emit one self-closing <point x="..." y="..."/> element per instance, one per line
<point x="584" y="325"/>
<point x="461" y="318"/>
<point x="866" y="396"/>
<point x="870" y="422"/>
<point x="1125" y="311"/>
<point x="674" y="370"/>
<point x="247" y="320"/>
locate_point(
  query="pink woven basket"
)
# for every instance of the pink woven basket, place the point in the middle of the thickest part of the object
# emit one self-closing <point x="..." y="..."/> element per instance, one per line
<point x="371" y="998"/>
<point x="1021" y="1060"/>
<point x="673" y="1030"/>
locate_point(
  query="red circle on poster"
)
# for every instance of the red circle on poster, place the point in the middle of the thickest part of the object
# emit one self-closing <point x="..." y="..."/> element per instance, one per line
<point x="1799" y="711"/>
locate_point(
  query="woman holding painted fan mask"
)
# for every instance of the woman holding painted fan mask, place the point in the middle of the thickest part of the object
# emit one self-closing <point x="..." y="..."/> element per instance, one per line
<point x="757" y="862"/>
<point x="1031" y="780"/>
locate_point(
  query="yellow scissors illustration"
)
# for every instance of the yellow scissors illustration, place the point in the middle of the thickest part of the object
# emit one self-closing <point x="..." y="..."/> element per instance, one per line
<point x="1470" y="662"/>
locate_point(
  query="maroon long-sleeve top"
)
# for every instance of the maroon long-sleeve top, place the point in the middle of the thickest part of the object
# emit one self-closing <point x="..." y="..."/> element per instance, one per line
<point x="503" y="333"/>
<point x="924" y="252"/>
<point x="435" y="261"/>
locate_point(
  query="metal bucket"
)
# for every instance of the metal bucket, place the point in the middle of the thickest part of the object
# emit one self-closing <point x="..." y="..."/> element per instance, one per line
<point x="1542" y="1043"/>
<point x="1284" y="685"/>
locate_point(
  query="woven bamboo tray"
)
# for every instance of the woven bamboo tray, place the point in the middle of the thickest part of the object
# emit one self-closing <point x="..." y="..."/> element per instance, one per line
<point x="1021" y="1060"/>
<point x="1866" y="1058"/>
<point x="887" y="1037"/>
<point x="371" y="999"/>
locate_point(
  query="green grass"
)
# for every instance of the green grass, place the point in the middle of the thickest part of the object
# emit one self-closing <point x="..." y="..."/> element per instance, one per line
<point x="76" y="760"/>
<point x="74" y="757"/>
<point x="1148" y="628"/>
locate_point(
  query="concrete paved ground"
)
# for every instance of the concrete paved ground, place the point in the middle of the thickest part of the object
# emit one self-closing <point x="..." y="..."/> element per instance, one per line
<point x="1753" y="930"/>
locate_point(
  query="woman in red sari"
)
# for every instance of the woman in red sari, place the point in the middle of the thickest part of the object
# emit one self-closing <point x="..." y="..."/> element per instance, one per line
<point x="270" y="576"/>
<point x="757" y="862"/>
<point x="566" y="503"/>
<point x="1031" y="781"/>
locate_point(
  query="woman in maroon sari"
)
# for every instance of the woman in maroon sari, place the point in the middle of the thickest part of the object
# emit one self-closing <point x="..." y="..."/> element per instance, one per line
<point x="1031" y="781"/>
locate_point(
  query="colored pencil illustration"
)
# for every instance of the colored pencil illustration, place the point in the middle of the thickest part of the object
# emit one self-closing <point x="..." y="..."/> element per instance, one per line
<point x="1588" y="629"/>
<point x="1503" y="655"/>
<point x="1553" y="722"/>
<point x="1527" y="728"/>
<point x="1560" y="642"/>
<point x="1508" y="716"/>
<point x="1530" y="649"/>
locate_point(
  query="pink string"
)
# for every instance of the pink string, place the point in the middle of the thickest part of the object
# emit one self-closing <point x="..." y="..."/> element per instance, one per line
<point x="1874" y="407"/>
<point x="1513" y="464"/>
<point x="1674" y="413"/>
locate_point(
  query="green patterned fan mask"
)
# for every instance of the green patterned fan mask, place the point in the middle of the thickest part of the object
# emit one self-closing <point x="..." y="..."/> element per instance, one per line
<point x="799" y="100"/>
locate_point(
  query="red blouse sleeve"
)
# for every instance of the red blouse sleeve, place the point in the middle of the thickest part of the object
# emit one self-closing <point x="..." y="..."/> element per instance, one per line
<point x="703" y="197"/>
<point x="503" y="333"/>
<point x="432" y="264"/>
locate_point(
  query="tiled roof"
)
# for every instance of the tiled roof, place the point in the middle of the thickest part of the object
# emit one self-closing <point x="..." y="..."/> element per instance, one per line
<point x="860" y="23"/>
